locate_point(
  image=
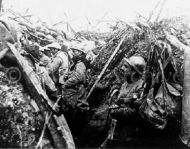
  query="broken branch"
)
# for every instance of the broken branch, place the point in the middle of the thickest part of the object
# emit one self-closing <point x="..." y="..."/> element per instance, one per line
<point x="106" y="66"/>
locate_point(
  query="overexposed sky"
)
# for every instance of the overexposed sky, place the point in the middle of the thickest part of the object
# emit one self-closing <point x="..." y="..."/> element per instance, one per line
<point x="82" y="12"/>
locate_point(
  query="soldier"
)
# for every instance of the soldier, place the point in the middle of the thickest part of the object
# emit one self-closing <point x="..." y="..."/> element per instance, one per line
<point x="60" y="63"/>
<point x="41" y="69"/>
<point x="125" y="109"/>
<point x="73" y="103"/>
<point x="45" y="59"/>
<point x="40" y="62"/>
<point x="76" y="78"/>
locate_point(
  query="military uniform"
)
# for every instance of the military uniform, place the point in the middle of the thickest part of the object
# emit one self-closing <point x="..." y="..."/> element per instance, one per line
<point x="74" y="85"/>
<point x="127" y="109"/>
<point x="45" y="60"/>
<point x="59" y="67"/>
<point x="74" y="93"/>
<point x="127" y="102"/>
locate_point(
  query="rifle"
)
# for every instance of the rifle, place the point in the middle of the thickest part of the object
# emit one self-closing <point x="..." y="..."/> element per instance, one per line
<point x="110" y="103"/>
<point x="110" y="133"/>
<point x="105" y="67"/>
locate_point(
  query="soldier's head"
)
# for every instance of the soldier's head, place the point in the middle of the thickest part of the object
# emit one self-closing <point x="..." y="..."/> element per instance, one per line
<point x="78" y="55"/>
<point x="90" y="56"/>
<point x="34" y="49"/>
<point x="132" y="67"/>
<point x="54" y="47"/>
<point x="76" y="52"/>
<point x="64" y="48"/>
<point x="46" y="51"/>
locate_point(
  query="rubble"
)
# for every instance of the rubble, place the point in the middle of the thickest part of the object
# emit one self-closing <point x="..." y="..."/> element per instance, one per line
<point x="20" y="123"/>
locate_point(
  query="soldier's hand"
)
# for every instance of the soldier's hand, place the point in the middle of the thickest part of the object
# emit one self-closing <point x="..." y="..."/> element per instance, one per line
<point x="56" y="108"/>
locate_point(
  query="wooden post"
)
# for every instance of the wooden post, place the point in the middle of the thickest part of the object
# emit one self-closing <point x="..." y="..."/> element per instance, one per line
<point x="0" y="5"/>
<point x="185" y="121"/>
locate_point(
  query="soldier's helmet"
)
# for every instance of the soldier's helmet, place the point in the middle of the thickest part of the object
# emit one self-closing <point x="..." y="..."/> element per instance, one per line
<point x="54" y="45"/>
<point x="136" y="62"/>
<point x="64" y="48"/>
<point x="77" y="48"/>
<point x="90" y="56"/>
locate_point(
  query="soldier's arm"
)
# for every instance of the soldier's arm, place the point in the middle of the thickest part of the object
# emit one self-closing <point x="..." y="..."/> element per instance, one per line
<point x="77" y="76"/>
<point x="54" y="66"/>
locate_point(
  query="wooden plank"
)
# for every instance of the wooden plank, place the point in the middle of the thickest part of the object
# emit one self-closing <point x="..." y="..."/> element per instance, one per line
<point x="30" y="74"/>
<point x="185" y="121"/>
<point x="63" y="126"/>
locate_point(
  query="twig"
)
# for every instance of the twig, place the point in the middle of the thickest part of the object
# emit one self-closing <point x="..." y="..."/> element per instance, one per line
<point x="163" y="81"/>
<point x="20" y="134"/>
<point x="161" y="9"/>
<point x="44" y="40"/>
<point x="46" y="123"/>
<point x="18" y="15"/>
<point x="152" y="12"/>
<point x="101" y="19"/>
<point x="60" y="22"/>
<point x="43" y="130"/>
<point x="26" y="16"/>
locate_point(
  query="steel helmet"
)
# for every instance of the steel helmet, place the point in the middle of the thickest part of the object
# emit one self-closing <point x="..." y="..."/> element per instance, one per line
<point x="54" y="45"/>
<point x="77" y="47"/>
<point x="90" y="56"/>
<point x="136" y="62"/>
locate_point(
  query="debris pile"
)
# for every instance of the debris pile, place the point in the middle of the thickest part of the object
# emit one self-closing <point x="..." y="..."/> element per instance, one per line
<point x="20" y="124"/>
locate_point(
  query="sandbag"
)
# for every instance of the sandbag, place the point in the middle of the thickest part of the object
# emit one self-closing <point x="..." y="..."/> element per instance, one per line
<point x="156" y="109"/>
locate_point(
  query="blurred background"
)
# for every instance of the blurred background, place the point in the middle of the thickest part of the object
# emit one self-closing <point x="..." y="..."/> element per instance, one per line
<point x="95" y="14"/>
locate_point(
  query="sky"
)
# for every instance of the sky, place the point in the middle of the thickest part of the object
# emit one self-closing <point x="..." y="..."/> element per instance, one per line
<point x="86" y="13"/>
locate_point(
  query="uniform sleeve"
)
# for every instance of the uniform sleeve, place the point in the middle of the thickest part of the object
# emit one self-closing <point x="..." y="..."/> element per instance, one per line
<point x="45" y="61"/>
<point x="77" y="76"/>
<point x="54" y="66"/>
